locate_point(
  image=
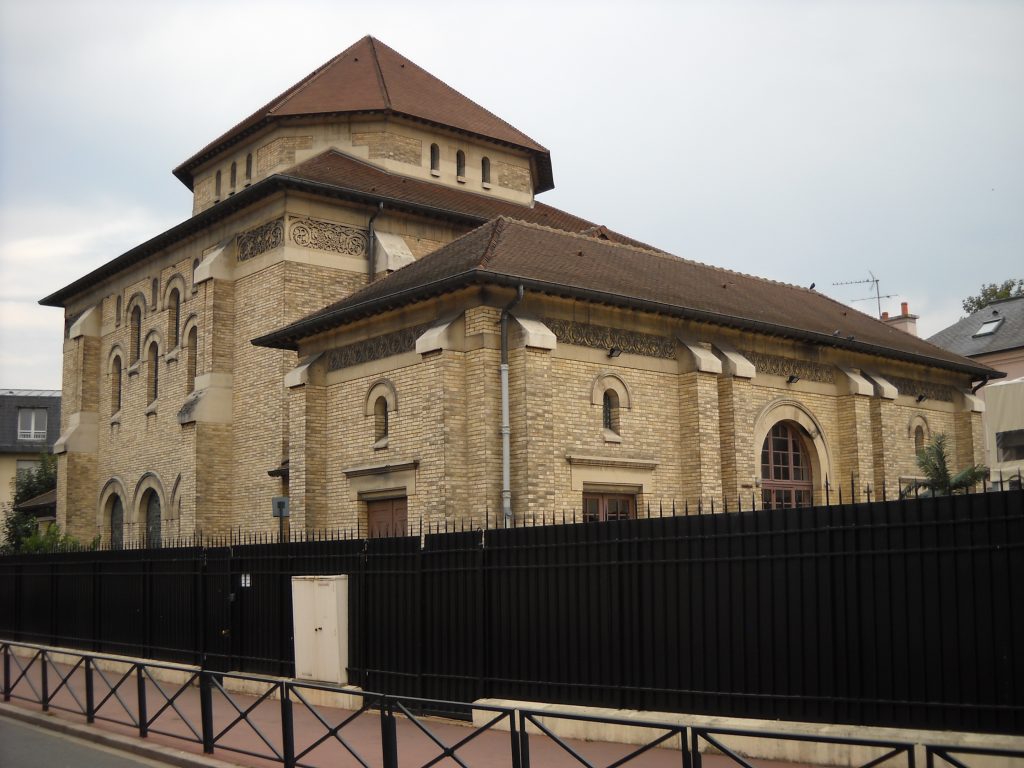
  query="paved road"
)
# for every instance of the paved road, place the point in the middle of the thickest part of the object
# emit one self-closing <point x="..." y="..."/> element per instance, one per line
<point x="26" y="746"/>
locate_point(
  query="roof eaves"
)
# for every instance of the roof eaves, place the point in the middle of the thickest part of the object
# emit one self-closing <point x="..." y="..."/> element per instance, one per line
<point x="287" y="338"/>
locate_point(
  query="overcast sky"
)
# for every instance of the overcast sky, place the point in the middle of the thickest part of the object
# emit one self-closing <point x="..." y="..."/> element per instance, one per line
<point x="800" y="141"/>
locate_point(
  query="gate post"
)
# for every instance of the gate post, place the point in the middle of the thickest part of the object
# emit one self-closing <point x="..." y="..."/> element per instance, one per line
<point x="206" y="710"/>
<point x="287" y="729"/>
<point x="524" y="742"/>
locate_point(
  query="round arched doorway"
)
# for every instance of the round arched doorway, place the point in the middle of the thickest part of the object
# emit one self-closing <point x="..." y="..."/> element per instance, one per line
<point x="785" y="468"/>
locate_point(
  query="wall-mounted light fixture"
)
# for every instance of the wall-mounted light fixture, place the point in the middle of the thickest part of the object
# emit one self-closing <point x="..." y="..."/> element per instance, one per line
<point x="922" y="397"/>
<point x="793" y="379"/>
<point x="614" y="352"/>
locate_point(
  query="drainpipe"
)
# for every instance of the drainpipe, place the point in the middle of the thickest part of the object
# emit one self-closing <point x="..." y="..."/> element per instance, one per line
<point x="372" y="246"/>
<point x="506" y="481"/>
<point x="984" y="381"/>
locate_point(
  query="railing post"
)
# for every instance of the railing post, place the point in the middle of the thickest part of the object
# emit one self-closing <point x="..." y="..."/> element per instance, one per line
<point x="695" y="748"/>
<point x="287" y="729"/>
<point x="513" y="732"/>
<point x="45" y="682"/>
<point x="206" y="710"/>
<point x="7" y="672"/>
<point x="684" y="745"/>
<point x="140" y="685"/>
<point x="524" y="742"/>
<point x="90" y="696"/>
<point x="388" y="736"/>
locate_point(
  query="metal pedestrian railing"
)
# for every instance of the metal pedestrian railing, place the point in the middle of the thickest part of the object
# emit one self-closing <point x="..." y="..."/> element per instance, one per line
<point x="202" y="707"/>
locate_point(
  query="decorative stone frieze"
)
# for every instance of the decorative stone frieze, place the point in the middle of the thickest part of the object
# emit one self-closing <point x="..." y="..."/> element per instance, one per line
<point x="374" y="349"/>
<point x="603" y="337"/>
<point x="260" y="239"/>
<point x="786" y="366"/>
<point x="327" y="236"/>
<point x="915" y="388"/>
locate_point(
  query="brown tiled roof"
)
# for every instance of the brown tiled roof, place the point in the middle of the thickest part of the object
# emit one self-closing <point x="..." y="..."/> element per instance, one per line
<point x="371" y="77"/>
<point x="510" y="252"/>
<point x="348" y="173"/>
<point x="38" y="503"/>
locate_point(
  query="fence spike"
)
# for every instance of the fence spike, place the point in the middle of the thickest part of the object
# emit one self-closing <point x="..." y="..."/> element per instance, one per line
<point x="712" y="505"/>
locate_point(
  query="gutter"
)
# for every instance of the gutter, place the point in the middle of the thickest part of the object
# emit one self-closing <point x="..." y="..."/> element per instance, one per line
<point x="506" y="482"/>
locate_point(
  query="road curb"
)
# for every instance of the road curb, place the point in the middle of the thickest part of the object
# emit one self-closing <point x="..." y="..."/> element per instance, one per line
<point x="134" y="746"/>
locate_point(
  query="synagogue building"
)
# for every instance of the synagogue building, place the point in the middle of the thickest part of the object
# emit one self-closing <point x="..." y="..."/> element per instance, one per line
<point x="370" y="312"/>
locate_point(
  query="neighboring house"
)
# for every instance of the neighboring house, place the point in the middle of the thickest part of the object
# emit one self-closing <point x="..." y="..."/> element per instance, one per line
<point x="43" y="507"/>
<point x="29" y="426"/>
<point x="371" y="227"/>
<point x="995" y="336"/>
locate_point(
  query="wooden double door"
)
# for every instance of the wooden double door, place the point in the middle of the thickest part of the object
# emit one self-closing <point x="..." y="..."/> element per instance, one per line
<point x="387" y="517"/>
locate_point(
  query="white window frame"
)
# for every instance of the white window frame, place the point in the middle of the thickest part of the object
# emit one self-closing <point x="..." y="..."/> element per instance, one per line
<point x="33" y="432"/>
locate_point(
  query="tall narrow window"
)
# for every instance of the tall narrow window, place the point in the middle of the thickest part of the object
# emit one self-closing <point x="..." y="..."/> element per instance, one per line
<point x="135" y="345"/>
<point x="190" y="362"/>
<point x="248" y="167"/>
<point x="116" y="523"/>
<point x="216" y="185"/>
<point x="234" y="174"/>
<point x="460" y="165"/>
<point x="154" y="289"/>
<point x="154" y="372"/>
<point x="918" y="438"/>
<point x="115" y="385"/>
<point x="117" y="311"/>
<point x="174" y="318"/>
<point x="485" y="170"/>
<point x="380" y="419"/>
<point x="151" y="508"/>
<point x="435" y="159"/>
<point x="610" y="410"/>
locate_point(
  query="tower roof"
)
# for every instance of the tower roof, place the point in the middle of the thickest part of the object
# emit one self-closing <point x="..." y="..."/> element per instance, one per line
<point x="371" y="77"/>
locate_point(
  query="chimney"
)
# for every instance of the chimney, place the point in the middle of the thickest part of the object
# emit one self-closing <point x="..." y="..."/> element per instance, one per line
<point x="905" y="322"/>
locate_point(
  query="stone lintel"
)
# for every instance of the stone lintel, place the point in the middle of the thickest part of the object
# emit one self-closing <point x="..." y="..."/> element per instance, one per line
<point x="381" y="480"/>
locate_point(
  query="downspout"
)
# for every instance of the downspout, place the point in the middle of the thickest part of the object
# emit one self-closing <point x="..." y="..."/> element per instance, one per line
<point x="372" y="245"/>
<point x="506" y="480"/>
<point x="984" y="381"/>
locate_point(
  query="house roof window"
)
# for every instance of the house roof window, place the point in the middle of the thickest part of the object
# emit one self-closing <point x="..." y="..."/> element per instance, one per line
<point x="989" y="327"/>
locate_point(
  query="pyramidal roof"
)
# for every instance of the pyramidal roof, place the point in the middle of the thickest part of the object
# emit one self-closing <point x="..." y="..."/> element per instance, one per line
<point x="371" y="77"/>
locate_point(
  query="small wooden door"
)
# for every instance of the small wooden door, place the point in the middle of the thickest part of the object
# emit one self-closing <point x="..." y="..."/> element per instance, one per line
<point x="386" y="517"/>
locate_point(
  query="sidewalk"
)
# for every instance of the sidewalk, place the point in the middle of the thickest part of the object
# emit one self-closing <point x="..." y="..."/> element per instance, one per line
<point x="174" y="734"/>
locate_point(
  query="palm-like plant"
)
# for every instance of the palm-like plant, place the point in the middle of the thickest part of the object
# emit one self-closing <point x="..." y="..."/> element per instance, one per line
<point x="938" y="480"/>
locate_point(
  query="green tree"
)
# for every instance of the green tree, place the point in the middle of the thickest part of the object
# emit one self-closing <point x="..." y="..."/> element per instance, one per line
<point x="21" y="527"/>
<point x="939" y="480"/>
<point x="990" y="292"/>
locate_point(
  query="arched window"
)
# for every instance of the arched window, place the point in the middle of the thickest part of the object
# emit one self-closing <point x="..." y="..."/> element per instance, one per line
<point x="485" y="170"/>
<point x="435" y="158"/>
<point x="190" y="360"/>
<point x="380" y="418"/>
<point x="460" y="164"/>
<point x="153" y="374"/>
<point x="117" y="311"/>
<point x="135" y="343"/>
<point x="785" y="468"/>
<point x="918" y="438"/>
<point x="234" y="174"/>
<point x="174" y="318"/>
<point x="248" y="167"/>
<point x="116" y="515"/>
<point x="151" y="509"/>
<point x="115" y="385"/>
<point x="216" y="185"/>
<point x="154" y="288"/>
<point x="610" y="410"/>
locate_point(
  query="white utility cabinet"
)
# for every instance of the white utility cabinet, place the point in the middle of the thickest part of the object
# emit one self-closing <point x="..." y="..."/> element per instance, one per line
<point x="320" y="622"/>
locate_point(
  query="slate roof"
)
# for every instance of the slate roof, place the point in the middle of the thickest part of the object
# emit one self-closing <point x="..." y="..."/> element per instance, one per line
<point x="961" y="336"/>
<point x="40" y="503"/>
<point x="509" y="252"/>
<point x="370" y="77"/>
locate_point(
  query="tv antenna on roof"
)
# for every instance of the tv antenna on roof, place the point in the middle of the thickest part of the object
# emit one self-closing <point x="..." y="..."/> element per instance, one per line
<point x="878" y="294"/>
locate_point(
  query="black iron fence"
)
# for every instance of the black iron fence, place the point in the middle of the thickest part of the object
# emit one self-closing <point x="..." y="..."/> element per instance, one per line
<point x="283" y="724"/>
<point x="902" y="613"/>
